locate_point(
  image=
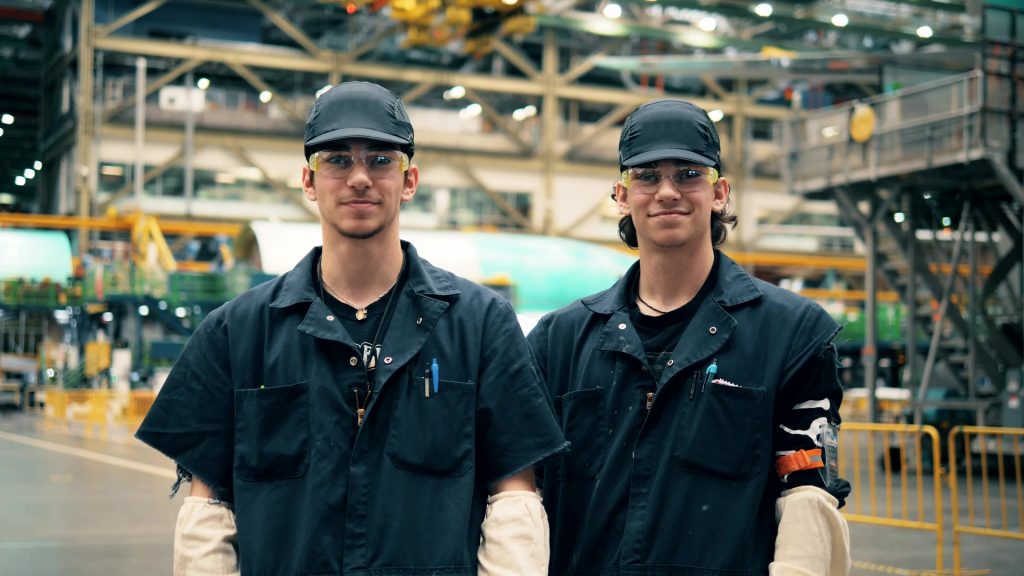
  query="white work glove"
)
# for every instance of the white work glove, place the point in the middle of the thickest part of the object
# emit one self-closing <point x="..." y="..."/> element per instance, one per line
<point x="205" y="539"/>
<point x="813" y="538"/>
<point x="514" y="536"/>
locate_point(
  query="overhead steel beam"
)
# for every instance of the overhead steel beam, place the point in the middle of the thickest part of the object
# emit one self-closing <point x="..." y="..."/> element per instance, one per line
<point x="299" y="62"/>
<point x="153" y="86"/>
<point x="606" y="122"/>
<point x="258" y="83"/>
<point x="587" y="64"/>
<point x="499" y="121"/>
<point x="416" y="91"/>
<point x="286" y="26"/>
<point x="130" y="17"/>
<point x="517" y="59"/>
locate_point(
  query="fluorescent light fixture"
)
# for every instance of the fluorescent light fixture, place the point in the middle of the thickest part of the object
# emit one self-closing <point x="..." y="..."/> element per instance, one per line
<point x="899" y="217"/>
<point x="707" y="24"/>
<point x="7" y="119"/>
<point x="925" y="31"/>
<point x="1" y="131"/>
<point x="203" y="83"/>
<point x="840" y="20"/>
<point x="509" y="2"/>
<point x="716" y="115"/>
<point x="763" y="9"/>
<point x="612" y="10"/>
<point x="19" y="180"/>
<point x="110" y="170"/>
<point x="30" y="173"/>
<point x="266" y="96"/>
<point x="37" y="165"/>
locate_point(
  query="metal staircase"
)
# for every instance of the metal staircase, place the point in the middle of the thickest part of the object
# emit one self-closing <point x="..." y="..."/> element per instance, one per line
<point x="930" y="178"/>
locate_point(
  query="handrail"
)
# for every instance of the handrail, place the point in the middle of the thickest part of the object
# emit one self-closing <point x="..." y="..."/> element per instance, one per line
<point x="900" y="94"/>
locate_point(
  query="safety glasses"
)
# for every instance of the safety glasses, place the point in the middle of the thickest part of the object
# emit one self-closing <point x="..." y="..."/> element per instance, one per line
<point x="647" y="180"/>
<point x="339" y="164"/>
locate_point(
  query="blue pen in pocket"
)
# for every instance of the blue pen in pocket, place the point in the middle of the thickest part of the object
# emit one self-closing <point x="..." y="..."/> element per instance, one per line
<point x="709" y="373"/>
<point x="433" y="373"/>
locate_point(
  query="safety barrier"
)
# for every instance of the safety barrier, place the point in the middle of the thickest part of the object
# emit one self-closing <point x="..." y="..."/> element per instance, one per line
<point x="993" y="457"/>
<point x="98" y="412"/>
<point x="901" y="454"/>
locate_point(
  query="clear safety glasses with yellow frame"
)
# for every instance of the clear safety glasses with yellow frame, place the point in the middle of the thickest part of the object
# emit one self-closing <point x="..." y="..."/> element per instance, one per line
<point x="647" y="179"/>
<point x="339" y="164"/>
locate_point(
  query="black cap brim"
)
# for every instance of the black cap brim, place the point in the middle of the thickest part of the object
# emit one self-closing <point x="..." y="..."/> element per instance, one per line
<point x="346" y="133"/>
<point x="668" y="154"/>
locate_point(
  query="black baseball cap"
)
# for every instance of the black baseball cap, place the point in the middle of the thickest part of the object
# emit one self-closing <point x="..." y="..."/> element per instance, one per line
<point x="358" y="110"/>
<point x="669" y="130"/>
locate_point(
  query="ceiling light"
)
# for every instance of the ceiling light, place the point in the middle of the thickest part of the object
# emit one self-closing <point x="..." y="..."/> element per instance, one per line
<point x="111" y="170"/>
<point x="947" y="221"/>
<point x="180" y="312"/>
<point x="456" y="92"/>
<point x="925" y="31"/>
<point x="525" y="112"/>
<point x="840" y="20"/>
<point x="203" y="83"/>
<point x="830" y="131"/>
<point x="7" y="119"/>
<point x="1" y="131"/>
<point x="763" y="9"/>
<point x="509" y="2"/>
<point x="19" y="180"/>
<point x="30" y="173"/>
<point x="707" y="24"/>
<point x="266" y="96"/>
<point x="899" y="217"/>
<point x="612" y="10"/>
<point x="716" y="115"/>
<point x="471" y="111"/>
<point x="37" y="165"/>
<point x="107" y="316"/>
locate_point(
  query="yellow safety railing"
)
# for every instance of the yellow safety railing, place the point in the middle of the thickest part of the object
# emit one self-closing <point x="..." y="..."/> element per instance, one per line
<point x="991" y="461"/>
<point x="885" y="464"/>
<point x="98" y="411"/>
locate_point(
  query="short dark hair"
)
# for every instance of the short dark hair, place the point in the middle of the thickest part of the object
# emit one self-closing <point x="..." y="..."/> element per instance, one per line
<point x="720" y="224"/>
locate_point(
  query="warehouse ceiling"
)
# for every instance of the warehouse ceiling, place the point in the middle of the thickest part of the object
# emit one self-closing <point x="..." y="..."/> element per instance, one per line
<point x="701" y="48"/>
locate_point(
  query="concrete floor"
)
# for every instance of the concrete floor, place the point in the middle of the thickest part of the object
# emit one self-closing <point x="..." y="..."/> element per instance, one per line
<point x="86" y="507"/>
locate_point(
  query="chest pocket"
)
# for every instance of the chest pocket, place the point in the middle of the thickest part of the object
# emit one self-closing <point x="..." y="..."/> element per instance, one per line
<point x="582" y="413"/>
<point x="272" y="432"/>
<point x="726" y="436"/>
<point x="433" y="435"/>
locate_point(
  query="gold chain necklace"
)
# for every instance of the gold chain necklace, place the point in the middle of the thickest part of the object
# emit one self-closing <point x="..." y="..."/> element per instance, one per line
<point x="361" y="311"/>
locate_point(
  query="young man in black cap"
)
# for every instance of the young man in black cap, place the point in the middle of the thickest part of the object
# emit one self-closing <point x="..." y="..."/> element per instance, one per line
<point x="365" y="413"/>
<point x="701" y="403"/>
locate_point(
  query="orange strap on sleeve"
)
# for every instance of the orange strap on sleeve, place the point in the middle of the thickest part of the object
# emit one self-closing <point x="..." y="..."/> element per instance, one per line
<point x="799" y="460"/>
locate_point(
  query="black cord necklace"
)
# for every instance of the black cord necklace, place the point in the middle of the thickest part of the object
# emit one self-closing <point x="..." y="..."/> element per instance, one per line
<point x="636" y="289"/>
<point x="644" y="302"/>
